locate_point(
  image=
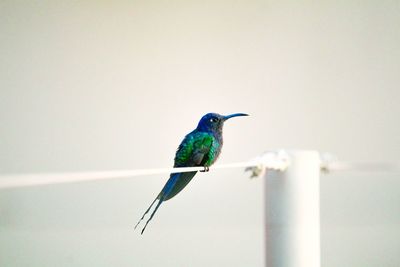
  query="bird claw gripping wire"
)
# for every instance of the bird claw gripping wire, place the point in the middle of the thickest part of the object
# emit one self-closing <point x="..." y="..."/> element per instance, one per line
<point x="273" y="160"/>
<point x="206" y="169"/>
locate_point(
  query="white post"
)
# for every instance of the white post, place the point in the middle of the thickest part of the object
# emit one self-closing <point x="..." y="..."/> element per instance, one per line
<point x="292" y="212"/>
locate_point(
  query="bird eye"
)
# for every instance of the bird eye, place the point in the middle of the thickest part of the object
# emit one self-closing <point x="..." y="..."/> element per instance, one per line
<point x="213" y="120"/>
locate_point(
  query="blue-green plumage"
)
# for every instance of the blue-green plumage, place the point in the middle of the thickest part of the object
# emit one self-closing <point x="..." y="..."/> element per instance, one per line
<point x="201" y="147"/>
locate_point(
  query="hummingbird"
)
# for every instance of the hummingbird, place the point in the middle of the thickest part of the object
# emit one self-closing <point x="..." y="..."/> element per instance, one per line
<point x="201" y="147"/>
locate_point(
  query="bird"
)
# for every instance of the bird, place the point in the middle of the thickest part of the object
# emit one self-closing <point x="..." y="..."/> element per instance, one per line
<point x="200" y="148"/>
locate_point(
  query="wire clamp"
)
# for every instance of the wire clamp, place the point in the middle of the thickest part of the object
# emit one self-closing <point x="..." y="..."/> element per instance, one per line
<point x="273" y="160"/>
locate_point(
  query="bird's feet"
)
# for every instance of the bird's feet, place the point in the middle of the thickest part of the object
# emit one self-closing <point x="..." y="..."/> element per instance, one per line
<point x="206" y="169"/>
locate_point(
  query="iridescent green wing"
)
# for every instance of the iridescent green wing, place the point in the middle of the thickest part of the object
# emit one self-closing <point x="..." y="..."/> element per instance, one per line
<point x="194" y="149"/>
<point x="184" y="151"/>
<point x="201" y="150"/>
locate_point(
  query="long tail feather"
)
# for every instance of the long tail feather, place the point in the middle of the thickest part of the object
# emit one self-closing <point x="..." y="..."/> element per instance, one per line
<point x="162" y="196"/>
<point x="147" y="211"/>
<point x="152" y="214"/>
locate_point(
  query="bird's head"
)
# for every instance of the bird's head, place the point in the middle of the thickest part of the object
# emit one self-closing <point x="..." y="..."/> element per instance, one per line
<point x="213" y="122"/>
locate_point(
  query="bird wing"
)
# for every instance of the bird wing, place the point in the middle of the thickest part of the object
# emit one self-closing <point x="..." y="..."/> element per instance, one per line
<point x="193" y="151"/>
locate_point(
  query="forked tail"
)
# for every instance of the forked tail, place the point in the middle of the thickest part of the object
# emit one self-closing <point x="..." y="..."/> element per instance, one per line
<point x="163" y="195"/>
<point x="152" y="214"/>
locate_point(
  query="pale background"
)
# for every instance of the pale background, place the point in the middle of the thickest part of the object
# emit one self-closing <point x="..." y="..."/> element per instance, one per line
<point x="103" y="85"/>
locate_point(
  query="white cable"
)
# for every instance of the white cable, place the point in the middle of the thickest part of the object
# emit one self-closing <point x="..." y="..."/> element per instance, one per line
<point x="271" y="160"/>
<point x="361" y="167"/>
<point x="274" y="160"/>
<point x="23" y="180"/>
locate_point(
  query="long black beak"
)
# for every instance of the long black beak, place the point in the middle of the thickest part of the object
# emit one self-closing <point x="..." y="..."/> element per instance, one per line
<point x="234" y="115"/>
